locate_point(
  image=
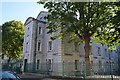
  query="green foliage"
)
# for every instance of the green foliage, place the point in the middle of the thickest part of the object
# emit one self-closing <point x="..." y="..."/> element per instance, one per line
<point x="110" y="34"/>
<point x="80" y="19"/>
<point x="12" y="39"/>
<point x="0" y="39"/>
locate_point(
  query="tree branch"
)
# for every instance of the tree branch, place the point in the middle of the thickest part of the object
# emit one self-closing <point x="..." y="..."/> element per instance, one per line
<point x="76" y="32"/>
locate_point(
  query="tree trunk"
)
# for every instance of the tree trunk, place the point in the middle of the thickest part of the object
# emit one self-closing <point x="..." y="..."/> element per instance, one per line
<point x="87" y="53"/>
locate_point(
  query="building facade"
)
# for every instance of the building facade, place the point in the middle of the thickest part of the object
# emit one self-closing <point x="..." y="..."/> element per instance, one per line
<point x="58" y="57"/>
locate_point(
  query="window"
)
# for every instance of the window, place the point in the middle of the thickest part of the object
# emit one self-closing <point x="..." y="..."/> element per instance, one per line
<point x="100" y="64"/>
<point x="99" y="50"/>
<point x="26" y="47"/>
<point x="76" y="64"/>
<point x="111" y="51"/>
<point x="49" y="64"/>
<point x="41" y="17"/>
<point x="106" y="52"/>
<point x="76" y="47"/>
<point x="38" y="62"/>
<point x="39" y="46"/>
<point x="28" y="35"/>
<point x="28" y="28"/>
<point x="40" y="30"/>
<point x="50" y="45"/>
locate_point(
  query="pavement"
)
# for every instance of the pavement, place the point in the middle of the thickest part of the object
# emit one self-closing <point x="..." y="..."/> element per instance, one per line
<point x="35" y="76"/>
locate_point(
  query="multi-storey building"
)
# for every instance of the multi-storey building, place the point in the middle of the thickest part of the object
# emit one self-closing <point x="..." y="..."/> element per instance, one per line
<point x="58" y="57"/>
<point x="118" y="51"/>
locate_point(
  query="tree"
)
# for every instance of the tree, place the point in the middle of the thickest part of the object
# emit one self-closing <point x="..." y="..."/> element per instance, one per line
<point x="82" y="21"/>
<point x="0" y="43"/>
<point x="116" y="22"/>
<point x="12" y="39"/>
<point x="111" y="35"/>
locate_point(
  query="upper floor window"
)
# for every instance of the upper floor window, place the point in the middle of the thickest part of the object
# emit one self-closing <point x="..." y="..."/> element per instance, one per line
<point x="28" y="28"/>
<point x="111" y="51"/>
<point x="76" y="46"/>
<point x="99" y="50"/>
<point x="39" y="46"/>
<point x="50" y="45"/>
<point x="26" y="47"/>
<point x="106" y="52"/>
<point x="41" y="17"/>
<point x="40" y="30"/>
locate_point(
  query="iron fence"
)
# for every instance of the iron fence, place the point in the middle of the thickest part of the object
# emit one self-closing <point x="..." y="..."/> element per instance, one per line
<point x="65" y="69"/>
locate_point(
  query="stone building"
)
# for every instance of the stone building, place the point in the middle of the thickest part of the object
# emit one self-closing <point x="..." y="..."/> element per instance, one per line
<point x="58" y="57"/>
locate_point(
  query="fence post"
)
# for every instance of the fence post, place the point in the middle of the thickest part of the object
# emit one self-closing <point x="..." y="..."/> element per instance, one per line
<point x="63" y="68"/>
<point x="84" y="73"/>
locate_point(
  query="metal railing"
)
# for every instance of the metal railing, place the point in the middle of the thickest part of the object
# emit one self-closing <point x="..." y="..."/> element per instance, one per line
<point x="66" y="69"/>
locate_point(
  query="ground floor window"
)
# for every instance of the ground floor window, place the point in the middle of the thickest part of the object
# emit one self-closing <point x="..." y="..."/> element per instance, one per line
<point x="76" y="64"/>
<point x="38" y="63"/>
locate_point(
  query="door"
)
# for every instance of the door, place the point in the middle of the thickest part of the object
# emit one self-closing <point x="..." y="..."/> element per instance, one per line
<point x="25" y="65"/>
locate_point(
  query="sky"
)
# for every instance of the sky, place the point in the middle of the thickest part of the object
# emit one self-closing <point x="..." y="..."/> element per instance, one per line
<point x="20" y="11"/>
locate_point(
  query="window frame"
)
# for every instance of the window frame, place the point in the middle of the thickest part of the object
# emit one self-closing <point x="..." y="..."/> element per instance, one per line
<point x="76" y="64"/>
<point x="39" y="29"/>
<point x="39" y="46"/>
<point x="98" y="50"/>
<point x="38" y="64"/>
<point x="50" y="47"/>
<point x="76" y="47"/>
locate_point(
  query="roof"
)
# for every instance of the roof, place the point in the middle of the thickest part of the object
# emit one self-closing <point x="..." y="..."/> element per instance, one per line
<point x="29" y="19"/>
<point x="41" y="12"/>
